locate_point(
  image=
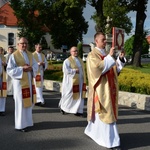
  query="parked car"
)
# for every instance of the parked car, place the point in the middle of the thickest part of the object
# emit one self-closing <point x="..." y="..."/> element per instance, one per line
<point x="145" y="58"/>
<point x="61" y="57"/>
<point x="84" y="56"/>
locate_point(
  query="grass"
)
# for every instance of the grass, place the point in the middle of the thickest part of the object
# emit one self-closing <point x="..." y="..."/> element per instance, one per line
<point x="54" y="71"/>
<point x="144" y="69"/>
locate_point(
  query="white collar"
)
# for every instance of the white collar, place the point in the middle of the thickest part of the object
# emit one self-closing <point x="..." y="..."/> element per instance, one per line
<point x="102" y="51"/>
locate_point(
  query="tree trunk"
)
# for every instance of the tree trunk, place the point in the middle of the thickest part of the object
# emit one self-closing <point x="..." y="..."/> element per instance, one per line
<point x="139" y="32"/>
<point x="100" y="25"/>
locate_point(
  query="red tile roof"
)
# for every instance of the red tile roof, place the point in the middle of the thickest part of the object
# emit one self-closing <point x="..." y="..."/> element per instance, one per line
<point x="7" y="16"/>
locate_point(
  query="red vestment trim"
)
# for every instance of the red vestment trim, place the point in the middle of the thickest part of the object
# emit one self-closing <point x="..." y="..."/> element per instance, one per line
<point x="26" y="93"/>
<point x="33" y="89"/>
<point x="75" y="88"/>
<point x="84" y="87"/>
<point x="4" y="86"/>
<point x="110" y="75"/>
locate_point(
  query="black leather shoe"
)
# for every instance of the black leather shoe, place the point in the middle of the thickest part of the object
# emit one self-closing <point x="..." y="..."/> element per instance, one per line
<point x="22" y="130"/>
<point x="38" y="104"/>
<point x="79" y="114"/>
<point x="116" y="148"/>
<point x="2" y="113"/>
<point x="62" y="112"/>
<point x="42" y="104"/>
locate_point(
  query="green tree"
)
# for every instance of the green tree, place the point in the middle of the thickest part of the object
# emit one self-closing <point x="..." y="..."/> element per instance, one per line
<point x="140" y="8"/>
<point x="129" y="46"/>
<point x="80" y="49"/>
<point x="67" y="24"/>
<point x="63" y="18"/>
<point x="118" y="13"/>
<point x="29" y="19"/>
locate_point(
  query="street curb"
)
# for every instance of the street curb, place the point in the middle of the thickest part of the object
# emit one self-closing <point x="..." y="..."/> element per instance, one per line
<point x="134" y="100"/>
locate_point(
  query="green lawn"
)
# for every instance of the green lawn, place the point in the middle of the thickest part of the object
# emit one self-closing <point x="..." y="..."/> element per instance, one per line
<point x="145" y="68"/>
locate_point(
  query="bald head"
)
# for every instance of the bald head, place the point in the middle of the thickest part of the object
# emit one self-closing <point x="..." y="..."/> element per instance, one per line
<point x="74" y="51"/>
<point x="22" y="43"/>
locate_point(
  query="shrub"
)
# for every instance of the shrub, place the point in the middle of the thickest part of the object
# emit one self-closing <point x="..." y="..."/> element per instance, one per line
<point x="131" y="80"/>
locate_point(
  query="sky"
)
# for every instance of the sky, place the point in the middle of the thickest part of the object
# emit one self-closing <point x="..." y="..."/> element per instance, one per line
<point x="88" y="11"/>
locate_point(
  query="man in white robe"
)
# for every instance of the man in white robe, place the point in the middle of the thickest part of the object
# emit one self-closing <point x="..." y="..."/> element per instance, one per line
<point x="8" y="78"/>
<point x="42" y="65"/>
<point x="23" y="109"/>
<point x="73" y="67"/>
<point x="3" y="86"/>
<point x="102" y="106"/>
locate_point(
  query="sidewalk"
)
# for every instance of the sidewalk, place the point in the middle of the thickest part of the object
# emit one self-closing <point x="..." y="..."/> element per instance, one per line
<point x="54" y="131"/>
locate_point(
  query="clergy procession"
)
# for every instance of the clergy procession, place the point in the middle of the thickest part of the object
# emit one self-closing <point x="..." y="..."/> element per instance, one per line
<point x="22" y="78"/>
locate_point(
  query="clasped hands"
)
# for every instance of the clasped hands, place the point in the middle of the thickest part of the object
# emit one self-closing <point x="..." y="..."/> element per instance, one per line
<point x="27" y="68"/>
<point x="77" y="71"/>
<point x="41" y="63"/>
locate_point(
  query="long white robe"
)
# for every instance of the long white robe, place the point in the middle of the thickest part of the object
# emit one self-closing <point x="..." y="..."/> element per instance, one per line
<point x="104" y="134"/>
<point x="2" y="99"/>
<point x="8" y="79"/>
<point x="67" y="103"/>
<point x="39" y="90"/>
<point x="23" y="116"/>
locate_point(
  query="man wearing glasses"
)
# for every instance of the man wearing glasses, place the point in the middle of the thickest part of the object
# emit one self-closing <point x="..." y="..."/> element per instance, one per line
<point x="73" y="85"/>
<point x="22" y="67"/>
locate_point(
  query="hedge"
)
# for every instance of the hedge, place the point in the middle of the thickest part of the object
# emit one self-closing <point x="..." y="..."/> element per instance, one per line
<point x="130" y="80"/>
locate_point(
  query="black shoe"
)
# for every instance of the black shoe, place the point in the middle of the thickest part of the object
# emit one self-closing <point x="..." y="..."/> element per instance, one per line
<point x="2" y="113"/>
<point x="38" y="104"/>
<point x="22" y="130"/>
<point x="42" y="104"/>
<point x="62" y="112"/>
<point x="79" y="114"/>
<point x="116" y="148"/>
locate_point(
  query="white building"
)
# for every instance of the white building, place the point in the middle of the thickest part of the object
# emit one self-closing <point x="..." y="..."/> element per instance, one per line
<point x="8" y="26"/>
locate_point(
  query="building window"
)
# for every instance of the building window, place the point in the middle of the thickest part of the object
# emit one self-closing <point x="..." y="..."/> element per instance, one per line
<point x="11" y="39"/>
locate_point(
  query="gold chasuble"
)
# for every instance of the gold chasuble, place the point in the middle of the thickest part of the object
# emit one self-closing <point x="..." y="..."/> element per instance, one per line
<point x="3" y="90"/>
<point x="103" y="89"/>
<point x="26" y="95"/>
<point x="75" y="80"/>
<point x="38" y="76"/>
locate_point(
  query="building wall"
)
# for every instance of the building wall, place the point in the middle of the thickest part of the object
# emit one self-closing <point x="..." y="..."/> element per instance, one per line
<point x="4" y="31"/>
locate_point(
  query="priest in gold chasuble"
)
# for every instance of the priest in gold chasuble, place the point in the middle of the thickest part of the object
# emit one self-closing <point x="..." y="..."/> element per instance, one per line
<point x="73" y="84"/>
<point x="22" y="68"/>
<point x="102" y="106"/>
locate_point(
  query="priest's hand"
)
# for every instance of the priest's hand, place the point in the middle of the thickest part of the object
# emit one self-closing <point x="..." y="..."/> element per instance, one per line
<point x="27" y="68"/>
<point x="3" y="63"/>
<point x="41" y="63"/>
<point x="111" y="52"/>
<point x="77" y="71"/>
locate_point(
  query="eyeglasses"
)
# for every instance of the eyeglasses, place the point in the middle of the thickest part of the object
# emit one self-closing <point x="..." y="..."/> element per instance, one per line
<point x="75" y="51"/>
<point x="23" y="43"/>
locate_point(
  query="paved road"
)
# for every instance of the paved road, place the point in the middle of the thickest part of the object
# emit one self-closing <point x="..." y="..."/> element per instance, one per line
<point x="53" y="131"/>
